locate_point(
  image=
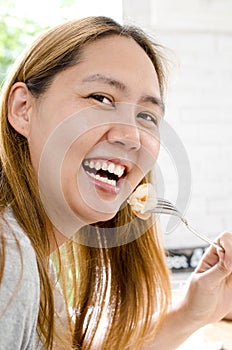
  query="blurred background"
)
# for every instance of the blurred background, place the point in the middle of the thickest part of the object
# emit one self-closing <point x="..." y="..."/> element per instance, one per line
<point x="197" y="35"/>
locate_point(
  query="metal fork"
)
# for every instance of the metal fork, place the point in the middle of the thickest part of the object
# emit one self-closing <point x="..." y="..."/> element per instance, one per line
<point x="163" y="206"/>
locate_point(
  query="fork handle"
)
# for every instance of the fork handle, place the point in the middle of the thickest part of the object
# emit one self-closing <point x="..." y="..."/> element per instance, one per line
<point x="203" y="237"/>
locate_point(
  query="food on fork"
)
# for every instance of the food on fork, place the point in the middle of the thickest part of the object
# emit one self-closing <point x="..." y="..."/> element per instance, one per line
<point x="143" y="199"/>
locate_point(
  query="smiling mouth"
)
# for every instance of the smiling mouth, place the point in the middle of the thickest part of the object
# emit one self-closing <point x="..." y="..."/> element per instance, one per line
<point x="104" y="172"/>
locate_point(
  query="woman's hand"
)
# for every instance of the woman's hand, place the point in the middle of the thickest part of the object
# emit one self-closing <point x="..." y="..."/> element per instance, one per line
<point x="208" y="298"/>
<point x="209" y="294"/>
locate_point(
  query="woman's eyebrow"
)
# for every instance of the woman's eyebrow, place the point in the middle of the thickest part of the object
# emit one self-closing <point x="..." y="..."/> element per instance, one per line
<point x="154" y="100"/>
<point x="106" y="80"/>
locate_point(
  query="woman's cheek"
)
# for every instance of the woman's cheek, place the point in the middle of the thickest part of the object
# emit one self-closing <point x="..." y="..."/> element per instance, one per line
<point x="151" y="146"/>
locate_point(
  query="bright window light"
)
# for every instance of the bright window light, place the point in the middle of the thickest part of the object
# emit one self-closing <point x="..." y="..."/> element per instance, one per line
<point x="50" y="13"/>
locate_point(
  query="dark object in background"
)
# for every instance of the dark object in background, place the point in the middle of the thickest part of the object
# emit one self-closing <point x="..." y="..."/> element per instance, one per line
<point x="184" y="260"/>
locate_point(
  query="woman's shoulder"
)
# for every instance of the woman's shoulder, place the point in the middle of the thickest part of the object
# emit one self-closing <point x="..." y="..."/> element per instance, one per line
<point x="19" y="287"/>
<point x="18" y="254"/>
<point x="10" y="228"/>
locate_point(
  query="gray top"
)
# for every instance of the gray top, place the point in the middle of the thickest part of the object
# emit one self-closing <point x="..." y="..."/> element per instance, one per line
<point x="19" y="290"/>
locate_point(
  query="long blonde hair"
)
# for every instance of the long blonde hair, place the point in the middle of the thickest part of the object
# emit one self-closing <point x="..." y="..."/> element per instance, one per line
<point x="135" y="274"/>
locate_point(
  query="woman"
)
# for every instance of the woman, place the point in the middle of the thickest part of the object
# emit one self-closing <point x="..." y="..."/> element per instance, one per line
<point x="79" y="129"/>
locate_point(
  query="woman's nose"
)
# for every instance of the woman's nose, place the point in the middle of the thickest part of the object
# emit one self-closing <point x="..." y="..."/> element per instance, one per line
<point x="127" y="136"/>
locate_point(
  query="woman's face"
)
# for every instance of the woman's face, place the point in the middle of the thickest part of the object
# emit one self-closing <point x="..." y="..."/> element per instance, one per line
<point x="94" y="132"/>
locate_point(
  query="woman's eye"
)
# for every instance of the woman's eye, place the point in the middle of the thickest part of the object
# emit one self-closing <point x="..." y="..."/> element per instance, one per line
<point x="102" y="99"/>
<point x="148" y="118"/>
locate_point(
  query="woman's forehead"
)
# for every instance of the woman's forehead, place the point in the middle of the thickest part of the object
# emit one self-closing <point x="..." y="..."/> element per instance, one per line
<point x="117" y="58"/>
<point x="118" y="48"/>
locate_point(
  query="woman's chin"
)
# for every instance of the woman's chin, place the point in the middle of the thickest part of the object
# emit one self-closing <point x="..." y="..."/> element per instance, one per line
<point x="104" y="216"/>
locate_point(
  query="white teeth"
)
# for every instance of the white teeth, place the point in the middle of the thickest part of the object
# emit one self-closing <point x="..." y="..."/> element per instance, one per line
<point x="112" y="168"/>
<point x="98" y="166"/>
<point x="98" y="177"/>
<point x="118" y="170"/>
<point x="104" y="166"/>
<point x="112" y="182"/>
<point x="91" y="164"/>
<point x="102" y="179"/>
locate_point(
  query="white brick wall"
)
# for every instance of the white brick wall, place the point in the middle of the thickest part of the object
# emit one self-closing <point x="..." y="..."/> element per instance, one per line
<point x="191" y="14"/>
<point x="199" y="105"/>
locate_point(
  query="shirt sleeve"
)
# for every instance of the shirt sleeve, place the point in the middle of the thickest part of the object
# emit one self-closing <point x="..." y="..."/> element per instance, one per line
<point x="19" y="297"/>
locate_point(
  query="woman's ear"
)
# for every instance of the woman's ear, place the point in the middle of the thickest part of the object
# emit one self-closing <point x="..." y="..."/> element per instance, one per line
<point x="19" y="107"/>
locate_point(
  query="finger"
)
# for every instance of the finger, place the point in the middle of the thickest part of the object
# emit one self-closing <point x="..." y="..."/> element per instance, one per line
<point x="212" y="255"/>
<point x="208" y="260"/>
<point x="216" y="275"/>
<point x="225" y="241"/>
